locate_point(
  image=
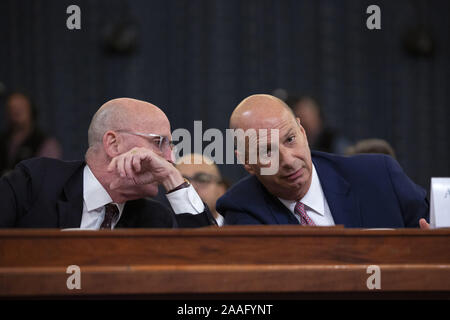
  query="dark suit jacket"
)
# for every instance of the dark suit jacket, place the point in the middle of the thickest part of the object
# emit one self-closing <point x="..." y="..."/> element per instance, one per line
<point x="363" y="191"/>
<point x="48" y="193"/>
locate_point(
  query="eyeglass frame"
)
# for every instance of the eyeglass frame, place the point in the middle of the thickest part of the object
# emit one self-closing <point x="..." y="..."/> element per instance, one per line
<point x="150" y="135"/>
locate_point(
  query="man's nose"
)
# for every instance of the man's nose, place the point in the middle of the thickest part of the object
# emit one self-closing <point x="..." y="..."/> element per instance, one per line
<point x="169" y="155"/>
<point x="286" y="158"/>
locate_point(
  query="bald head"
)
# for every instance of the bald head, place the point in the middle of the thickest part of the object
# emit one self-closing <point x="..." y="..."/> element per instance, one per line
<point x="116" y="128"/>
<point x="124" y="113"/>
<point x="273" y="124"/>
<point x="257" y="111"/>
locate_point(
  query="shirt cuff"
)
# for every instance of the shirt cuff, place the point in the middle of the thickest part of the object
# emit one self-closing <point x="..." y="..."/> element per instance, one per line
<point x="186" y="200"/>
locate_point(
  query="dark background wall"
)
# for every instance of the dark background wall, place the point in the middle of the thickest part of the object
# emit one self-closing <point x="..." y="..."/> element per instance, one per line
<point x="197" y="59"/>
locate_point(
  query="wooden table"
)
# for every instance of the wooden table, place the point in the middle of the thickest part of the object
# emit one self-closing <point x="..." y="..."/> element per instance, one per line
<point x="230" y="262"/>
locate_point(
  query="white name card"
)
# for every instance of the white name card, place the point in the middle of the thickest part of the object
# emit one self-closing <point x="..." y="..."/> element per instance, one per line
<point x="440" y="202"/>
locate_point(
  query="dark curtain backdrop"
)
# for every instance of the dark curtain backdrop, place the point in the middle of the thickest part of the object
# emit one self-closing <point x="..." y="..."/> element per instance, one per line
<point x="198" y="59"/>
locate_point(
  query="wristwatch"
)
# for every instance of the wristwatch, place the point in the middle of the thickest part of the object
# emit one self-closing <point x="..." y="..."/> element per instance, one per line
<point x="185" y="184"/>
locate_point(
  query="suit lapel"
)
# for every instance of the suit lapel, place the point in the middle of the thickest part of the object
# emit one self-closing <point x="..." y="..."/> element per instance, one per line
<point x="128" y="217"/>
<point x="278" y="211"/>
<point x="70" y="206"/>
<point x="343" y="204"/>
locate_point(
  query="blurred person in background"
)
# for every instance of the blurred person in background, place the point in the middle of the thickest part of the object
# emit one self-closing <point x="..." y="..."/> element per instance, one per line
<point x="371" y="146"/>
<point x="320" y="136"/>
<point x="206" y="179"/>
<point x="23" y="138"/>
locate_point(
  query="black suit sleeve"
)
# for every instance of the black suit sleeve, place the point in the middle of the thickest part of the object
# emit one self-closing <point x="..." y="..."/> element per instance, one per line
<point x="149" y="213"/>
<point x="187" y="220"/>
<point x="14" y="194"/>
<point x="412" y="198"/>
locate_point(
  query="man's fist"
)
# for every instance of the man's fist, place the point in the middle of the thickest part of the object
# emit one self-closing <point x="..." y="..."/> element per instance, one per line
<point x="141" y="166"/>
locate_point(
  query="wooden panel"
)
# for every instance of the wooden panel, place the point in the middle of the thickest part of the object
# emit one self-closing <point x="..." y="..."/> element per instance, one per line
<point x="253" y="259"/>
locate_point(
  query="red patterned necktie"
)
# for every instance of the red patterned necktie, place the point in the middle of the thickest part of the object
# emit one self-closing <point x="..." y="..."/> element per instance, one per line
<point x="305" y="220"/>
<point x="111" y="213"/>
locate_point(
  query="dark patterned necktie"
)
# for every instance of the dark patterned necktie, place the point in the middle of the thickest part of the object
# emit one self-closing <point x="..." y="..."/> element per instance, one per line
<point x="111" y="213"/>
<point x="300" y="210"/>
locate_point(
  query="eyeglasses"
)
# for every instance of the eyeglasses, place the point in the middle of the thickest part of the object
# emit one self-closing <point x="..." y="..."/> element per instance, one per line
<point x="162" y="142"/>
<point x="203" y="178"/>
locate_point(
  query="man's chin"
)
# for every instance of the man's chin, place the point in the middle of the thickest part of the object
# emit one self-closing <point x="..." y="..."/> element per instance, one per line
<point x="296" y="186"/>
<point x="299" y="181"/>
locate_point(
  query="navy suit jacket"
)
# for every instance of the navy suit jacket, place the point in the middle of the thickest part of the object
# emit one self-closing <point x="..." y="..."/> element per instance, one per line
<point x="363" y="191"/>
<point x="48" y="193"/>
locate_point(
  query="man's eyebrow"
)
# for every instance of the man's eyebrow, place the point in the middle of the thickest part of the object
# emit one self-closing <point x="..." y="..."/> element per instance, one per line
<point x="288" y="133"/>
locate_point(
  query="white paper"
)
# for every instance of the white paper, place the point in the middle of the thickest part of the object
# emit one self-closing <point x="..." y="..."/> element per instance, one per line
<point x="440" y="202"/>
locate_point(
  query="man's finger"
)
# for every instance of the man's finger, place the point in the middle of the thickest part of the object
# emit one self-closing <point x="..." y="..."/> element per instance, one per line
<point x="146" y="159"/>
<point x="120" y="166"/>
<point x="136" y="163"/>
<point x="424" y="224"/>
<point x="127" y="165"/>
<point x="112" y="165"/>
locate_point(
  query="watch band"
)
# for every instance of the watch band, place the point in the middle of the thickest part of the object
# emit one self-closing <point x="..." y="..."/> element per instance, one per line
<point x="185" y="184"/>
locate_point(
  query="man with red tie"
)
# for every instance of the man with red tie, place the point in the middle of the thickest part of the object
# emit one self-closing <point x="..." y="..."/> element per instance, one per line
<point x="316" y="188"/>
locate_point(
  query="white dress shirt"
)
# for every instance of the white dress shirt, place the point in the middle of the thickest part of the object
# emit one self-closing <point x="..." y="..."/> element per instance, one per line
<point x="316" y="204"/>
<point x="95" y="197"/>
<point x="220" y="220"/>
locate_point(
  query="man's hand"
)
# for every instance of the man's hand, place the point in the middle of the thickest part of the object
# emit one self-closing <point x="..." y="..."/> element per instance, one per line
<point x="141" y="166"/>
<point x="424" y="224"/>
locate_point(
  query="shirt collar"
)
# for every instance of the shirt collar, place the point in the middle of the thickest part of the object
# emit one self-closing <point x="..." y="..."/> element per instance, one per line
<point x="94" y="195"/>
<point x="314" y="197"/>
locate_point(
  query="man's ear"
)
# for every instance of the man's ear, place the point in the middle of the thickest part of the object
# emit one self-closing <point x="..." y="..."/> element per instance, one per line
<point x="111" y="143"/>
<point x="302" y="130"/>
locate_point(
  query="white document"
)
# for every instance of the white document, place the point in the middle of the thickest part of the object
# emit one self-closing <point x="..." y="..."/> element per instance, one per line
<point x="440" y="202"/>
